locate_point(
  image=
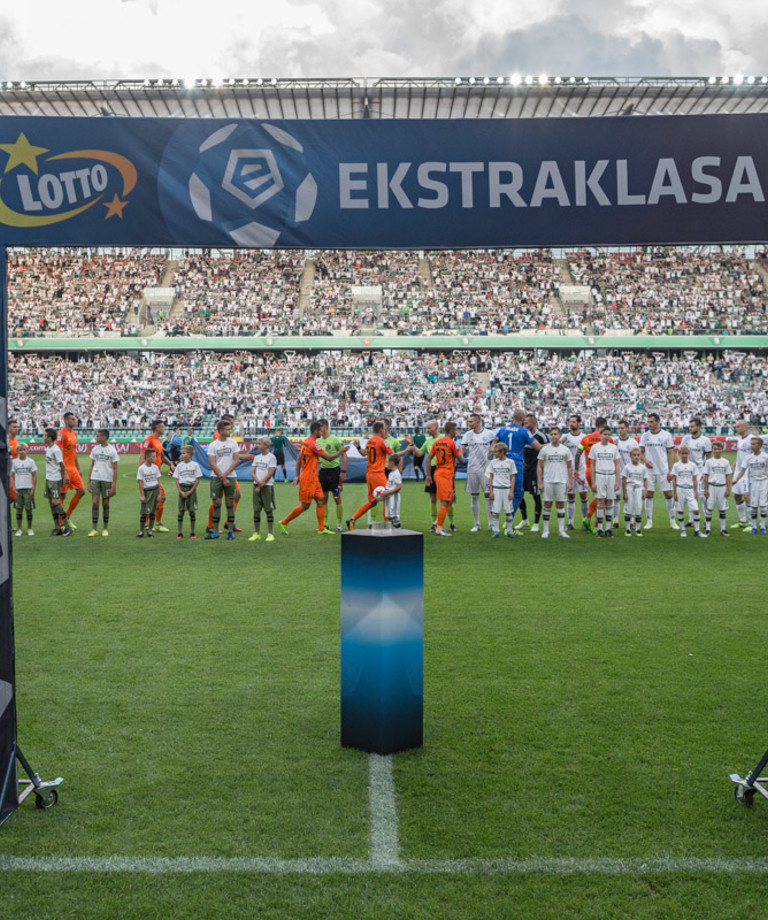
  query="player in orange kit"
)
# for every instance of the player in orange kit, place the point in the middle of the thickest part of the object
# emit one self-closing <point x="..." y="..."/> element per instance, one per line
<point x="155" y="442"/>
<point x="445" y="452"/>
<point x="376" y="452"/>
<point x="67" y="442"/>
<point x="13" y="449"/>
<point x="586" y="444"/>
<point x="310" y="489"/>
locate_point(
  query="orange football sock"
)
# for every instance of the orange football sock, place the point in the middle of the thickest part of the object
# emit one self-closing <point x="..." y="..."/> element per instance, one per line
<point x="362" y="509"/>
<point x="210" y="516"/>
<point x="592" y="510"/>
<point x="299" y="509"/>
<point x="442" y="513"/>
<point x="73" y="504"/>
<point x="320" y="511"/>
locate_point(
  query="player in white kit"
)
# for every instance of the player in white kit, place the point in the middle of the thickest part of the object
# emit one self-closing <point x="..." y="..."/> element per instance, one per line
<point x="478" y="440"/>
<point x="633" y="486"/>
<point x="756" y="467"/>
<point x="606" y="480"/>
<point x="717" y="478"/>
<point x="502" y="488"/>
<point x="555" y="475"/>
<point x="685" y="485"/>
<point x="625" y="445"/>
<point x="741" y="483"/>
<point x="391" y="494"/>
<point x="658" y="449"/>
<point x="701" y="449"/>
<point x="572" y="439"/>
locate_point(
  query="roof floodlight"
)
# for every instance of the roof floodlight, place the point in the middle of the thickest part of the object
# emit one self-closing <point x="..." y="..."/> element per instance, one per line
<point x="543" y="79"/>
<point x="750" y="80"/>
<point x="571" y="79"/>
<point x="486" y="81"/>
<point x="723" y="79"/>
<point x="712" y="80"/>
<point x="472" y="81"/>
<point x="245" y="82"/>
<point x="764" y="80"/>
<point x="500" y="80"/>
<point x="738" y="80"/>
<point x="515" y="79"/>
<point x="23" y="84"/>
<point x="585" y="79"/>
<point x="273" y="81"/>
<point x="558" y="80"/>
<point x="147" y="82"/>
<point x="260" y="82"/>
<point x="457" y="81"/>
<point x="528" y="80"/>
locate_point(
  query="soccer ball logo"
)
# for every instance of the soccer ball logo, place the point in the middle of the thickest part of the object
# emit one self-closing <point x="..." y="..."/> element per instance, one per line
<point x="241" y="173"/>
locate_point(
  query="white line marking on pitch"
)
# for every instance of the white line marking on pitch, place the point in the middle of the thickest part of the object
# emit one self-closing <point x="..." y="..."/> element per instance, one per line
<point x="385" y="849"/>
<point x="635" y="866"/>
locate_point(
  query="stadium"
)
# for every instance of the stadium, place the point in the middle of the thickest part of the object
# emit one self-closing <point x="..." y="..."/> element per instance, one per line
<point x="572" y="691"/>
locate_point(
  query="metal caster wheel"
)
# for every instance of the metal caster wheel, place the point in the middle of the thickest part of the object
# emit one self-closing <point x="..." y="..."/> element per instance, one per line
<point x="46" y="799"/>
<point x="744" y="795"/>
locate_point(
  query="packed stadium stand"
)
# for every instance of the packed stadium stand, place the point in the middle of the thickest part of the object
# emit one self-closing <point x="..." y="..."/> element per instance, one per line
<point x="265" y="390"/>
<point x="655" y="291"/>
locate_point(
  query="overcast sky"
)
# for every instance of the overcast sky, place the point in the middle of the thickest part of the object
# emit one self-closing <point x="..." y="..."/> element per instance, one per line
<point x="79" y="39"/>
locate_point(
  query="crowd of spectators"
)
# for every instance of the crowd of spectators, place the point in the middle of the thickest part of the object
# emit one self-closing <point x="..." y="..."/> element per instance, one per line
<point x="73" y="292"/>
<point x="655" y="291"/>
<point x="666" y="290"/>
<point x="338" y="305"/>
<point x="264" y="390"/>
<point x="237" y="293"/>
<point x="494" y="293"/>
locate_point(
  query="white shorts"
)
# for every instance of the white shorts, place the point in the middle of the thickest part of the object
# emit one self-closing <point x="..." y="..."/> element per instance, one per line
<point x="633" y="506"/>
<point x="654" y="479"/>
<point x="605" y="486"/>
<point x="717" y="499"/>
<point x="742" y="486"/>
<point x="555" y="491"/>
<point x="686" y="497"/>
<point x="758" y="494"/>
<point x="477" y="482"/>
<point x="392" y="506"/>
<point x="502" y="501"/>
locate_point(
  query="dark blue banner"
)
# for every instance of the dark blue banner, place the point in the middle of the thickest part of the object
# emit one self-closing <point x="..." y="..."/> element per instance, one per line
<point x="384" y="184"/>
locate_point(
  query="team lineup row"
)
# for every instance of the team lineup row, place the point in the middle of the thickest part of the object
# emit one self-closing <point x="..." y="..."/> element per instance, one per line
<point x="502" y="465"/>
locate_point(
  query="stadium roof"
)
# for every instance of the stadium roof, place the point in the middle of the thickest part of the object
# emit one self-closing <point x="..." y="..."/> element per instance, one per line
<point x="516" y="96"/>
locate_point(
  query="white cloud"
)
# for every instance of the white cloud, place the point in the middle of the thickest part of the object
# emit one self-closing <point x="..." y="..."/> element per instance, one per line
<point x="138" y="38"/>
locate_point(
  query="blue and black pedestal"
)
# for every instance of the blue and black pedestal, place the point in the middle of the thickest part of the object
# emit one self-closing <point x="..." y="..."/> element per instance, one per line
<point x="382" y="640"/>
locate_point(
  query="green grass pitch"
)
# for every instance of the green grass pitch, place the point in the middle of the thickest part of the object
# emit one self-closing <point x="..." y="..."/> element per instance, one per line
<point x="584" y="700"/>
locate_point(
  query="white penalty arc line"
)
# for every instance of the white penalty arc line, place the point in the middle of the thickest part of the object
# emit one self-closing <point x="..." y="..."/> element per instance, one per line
<point x="350" y="866"/>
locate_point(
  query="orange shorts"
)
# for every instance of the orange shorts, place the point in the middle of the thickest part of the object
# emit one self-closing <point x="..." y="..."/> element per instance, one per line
<point x="75" y="481"/>
<point x="375" y="480"/>
<point x="446" y="491"/>
<point x="309" y="491"/>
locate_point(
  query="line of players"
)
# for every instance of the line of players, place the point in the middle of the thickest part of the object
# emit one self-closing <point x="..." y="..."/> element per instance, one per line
<point x="517" y="458"/>
<point x="502" y="465"/>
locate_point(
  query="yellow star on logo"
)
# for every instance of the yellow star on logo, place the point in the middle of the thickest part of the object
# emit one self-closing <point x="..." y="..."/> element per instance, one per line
<point x="22" y="153"/>
<point x="114" y="207"/>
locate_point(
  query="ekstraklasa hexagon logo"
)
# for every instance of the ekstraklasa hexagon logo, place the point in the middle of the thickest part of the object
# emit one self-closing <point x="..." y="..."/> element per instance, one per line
<point x="253" y="192"/>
